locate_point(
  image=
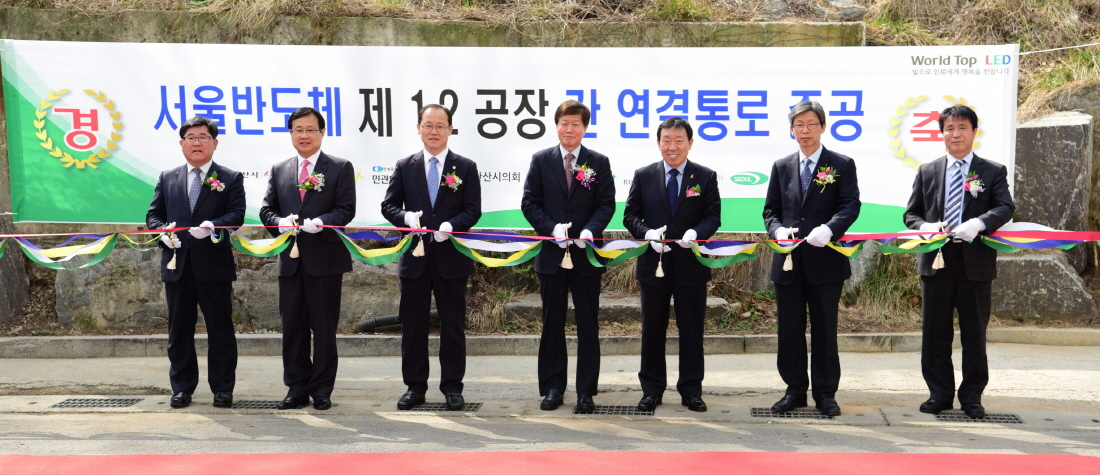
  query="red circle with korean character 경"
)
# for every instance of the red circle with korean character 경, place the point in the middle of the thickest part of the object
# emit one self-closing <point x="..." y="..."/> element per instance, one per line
<point x="90" y="140"/>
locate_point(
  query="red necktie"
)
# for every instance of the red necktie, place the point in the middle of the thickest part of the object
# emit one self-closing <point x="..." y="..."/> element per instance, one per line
<point x="302" y="178"/>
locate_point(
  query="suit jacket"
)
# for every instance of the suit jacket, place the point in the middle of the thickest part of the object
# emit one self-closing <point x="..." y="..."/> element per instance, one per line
<point x="408" y="191"/>
<point x="322" y="253"/>
<point x="547" y="202"/>
<point x="835" y="205"/>
<point x="993" y="206"/>
<point x="647" y="208"/>
<point x="211" y="262"/>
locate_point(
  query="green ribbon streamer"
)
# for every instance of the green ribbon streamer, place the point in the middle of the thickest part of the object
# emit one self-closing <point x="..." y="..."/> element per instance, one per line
<point x="272" y="253"/>
<point x="1002" y="247"/>
<point x="2" y="243"/>
<point x="716" y="263"/>
<point x="526" y="257"/>
<point x="625" y="256"/>
<point x="371" y="261"/>
<point x="924" y="248"/>
<point x="99" y="256"/>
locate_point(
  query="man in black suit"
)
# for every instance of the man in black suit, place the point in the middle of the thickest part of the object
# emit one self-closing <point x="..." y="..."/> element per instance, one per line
<point x="567" y="184"/>
<point x="311" y="189"/>
<point x="811" y="193"/>
<point x="195" y="269"/>
<point x="433" y="189"/>
<point x="673" y="199"/>
<point x="966" y="195"/>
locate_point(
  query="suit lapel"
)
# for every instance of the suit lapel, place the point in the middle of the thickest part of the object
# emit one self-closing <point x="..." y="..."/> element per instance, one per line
<point x="450" y="165"/>
<point x="662" y="183"/>
<point x="555" y="165"/>
<point x="795" y="179"/>
<point x="419" y="177"/>
<point x="203" y="189"/>
<point x="977" y="167"/>
<point x="940" y="181"/>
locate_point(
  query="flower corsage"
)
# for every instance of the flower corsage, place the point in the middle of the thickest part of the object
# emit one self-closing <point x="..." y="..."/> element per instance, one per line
<point x="586" y="175"/>
<point x="213" y="183"/>
<point x="693" y="191"/>
<point x="313" y="182"/>
<point x="451" y="180"/>
<point x="974" y="184"/>
<point x="825" y="176"/>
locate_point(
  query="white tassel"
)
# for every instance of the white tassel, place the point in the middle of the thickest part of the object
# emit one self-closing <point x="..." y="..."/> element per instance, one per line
<point x="172" y="263"/>
<point x="567" y="262"/>
<point x="660" y="269"/>
<point x="938" y="262"/>
<point x="419" y="250"/>
<point x="294" y="250"/>
<point x="788" y="264"/>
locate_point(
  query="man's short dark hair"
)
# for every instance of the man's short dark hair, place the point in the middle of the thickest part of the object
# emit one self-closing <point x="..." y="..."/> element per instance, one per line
<point x="572" y="107"/>
<point x="420" y="115"/>
<point x="806" y="106"/>
<point x="674" y="123"/>
<point x="302" y="112"/>
<point x="959" y="111"/>
<point x="200" y="121"/>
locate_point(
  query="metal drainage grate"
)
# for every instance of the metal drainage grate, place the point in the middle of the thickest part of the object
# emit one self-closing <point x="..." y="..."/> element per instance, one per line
<point x="88" y="403"/>
<point x="442" y="407"/>
<point x="803" y="413"/>
<point x="959" y="416"/>
<point x="255" y="404"/>
<point x="617" y="410"/>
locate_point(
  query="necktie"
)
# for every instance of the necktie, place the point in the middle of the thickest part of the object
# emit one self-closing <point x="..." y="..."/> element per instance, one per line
<point x="569" y="171"/>
<point x="955" y="196"/>
<point x="672" y="189"/>
<point x="196" y="186"/>
<point x="806" y="172"/>
<point x="302" y="178"/>
<point x="433" y="179"/>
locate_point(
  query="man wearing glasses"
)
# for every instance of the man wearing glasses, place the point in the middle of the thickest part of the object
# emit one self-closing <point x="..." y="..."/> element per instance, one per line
<point x="812" y="194"/>
<point x="310" y="190"/>
<point x="197" y="271"/>
<point x="440" y="190"/>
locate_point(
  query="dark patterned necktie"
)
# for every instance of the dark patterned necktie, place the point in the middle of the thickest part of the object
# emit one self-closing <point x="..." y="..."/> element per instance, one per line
<point x="196" y="187"/>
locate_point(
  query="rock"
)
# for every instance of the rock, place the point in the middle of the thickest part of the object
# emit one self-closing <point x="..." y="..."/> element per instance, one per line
<point x="13" y="276"/>
<point x="123" y="290"/>
<point x="841" y="10"/>
<point x="368" y="291"/>
<point x="1040" y="287"/>
<point x="1056" y="149"/>
<point x="528" y="307"/>
<point x="861" y="267"/>
<point x="775" y="10"/>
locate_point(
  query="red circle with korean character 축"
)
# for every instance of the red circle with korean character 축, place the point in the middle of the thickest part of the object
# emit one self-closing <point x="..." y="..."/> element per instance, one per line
<point x="915" y="126"/>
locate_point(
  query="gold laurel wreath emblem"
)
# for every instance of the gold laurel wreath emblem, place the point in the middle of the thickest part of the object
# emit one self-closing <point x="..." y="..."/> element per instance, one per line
<point x="64" y="157"/>
<point x="895" y="128"/>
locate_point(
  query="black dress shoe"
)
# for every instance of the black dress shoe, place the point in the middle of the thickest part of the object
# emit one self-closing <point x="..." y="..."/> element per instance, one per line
<point x="935" y="406"/>
<point x="694" y="403"/>
<point x="293" y="403"/>
<point x="455" y="402"/>
<point x="788" y="403"/>
<point x="829" y="407"/>
<point x="410" y="400"/>
<point x="585" y="404"/>
<point x="322" y="403"/>
<point x="649" y="402"/>
<point x="223" y="399"/>
<point x="974" y="410"/>
<point x="181" y="399"/>
<point x="551" y="401"/>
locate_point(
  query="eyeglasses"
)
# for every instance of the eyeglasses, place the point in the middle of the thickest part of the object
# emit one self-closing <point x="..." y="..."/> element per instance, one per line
<point x="198" y="138"/>
<point x="435" y="128"/>
<point x="805" y="127"/>
<point x="304" y="131"/>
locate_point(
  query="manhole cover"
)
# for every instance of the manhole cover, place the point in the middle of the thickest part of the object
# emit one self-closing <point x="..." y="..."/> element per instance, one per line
<point x="442" y="407"/>
<point x="959" y="416"/>
<point x="618" y="410"/>
<point x="254" y="404"/>
<point x="89" y="403"/>
<point x="802" y="413"/>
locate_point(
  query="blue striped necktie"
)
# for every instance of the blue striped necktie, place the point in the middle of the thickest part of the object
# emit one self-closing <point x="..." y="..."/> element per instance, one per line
<point x="955" y="196"/>
<point x="806" y="172"/>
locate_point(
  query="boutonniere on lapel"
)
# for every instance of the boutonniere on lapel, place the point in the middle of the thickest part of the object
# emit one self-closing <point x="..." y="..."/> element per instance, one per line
<point x="825" y="176"/>
<point x="313" y="182"/>
<point x="974" y="184"/>
<point x="693" y="191"/>
<point x="586" y="175"/>
<point x="213" y="183"/>
<point x="451" y="180"/>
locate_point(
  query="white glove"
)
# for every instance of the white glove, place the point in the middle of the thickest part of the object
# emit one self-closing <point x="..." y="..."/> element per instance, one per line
<point x="930" y="228"/>
<point x="285" y="224"/>
<point x="785" y="233"/>
<point x="654" y="234"/>
<point x="412" y="219"/>
<point x="203" y="231"/>
<point x="820" y="236"/>
<point x="171" y="242"/>
<point x="312" y="225"/>
<point x="685" y="241"/>
<point x="444" y="228"/>
<point x="561" y="232"/>
<point x="969" y="230"/>
<point x="585" y="234"/>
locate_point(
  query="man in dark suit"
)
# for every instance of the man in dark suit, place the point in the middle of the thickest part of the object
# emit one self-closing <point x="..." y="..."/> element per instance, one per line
<point x="568" y="184"/>
<point x="811" y="193"/>
<point x="673" y="199"/>
<point x="966" y="195"/>
<point x="433" y="189"/>
<point x="311" y="189"/>
<point x="196" y="270"/>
